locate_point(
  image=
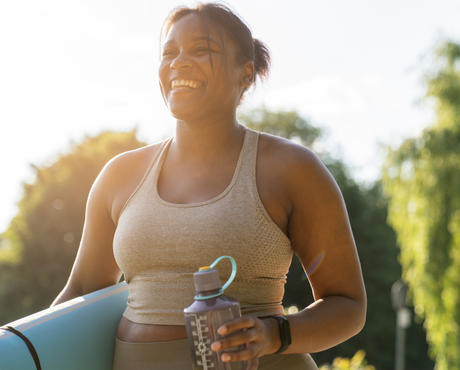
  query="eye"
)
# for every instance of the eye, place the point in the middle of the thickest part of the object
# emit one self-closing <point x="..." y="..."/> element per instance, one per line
<point x="202" y="49"/>
<point x="167" y="52"/>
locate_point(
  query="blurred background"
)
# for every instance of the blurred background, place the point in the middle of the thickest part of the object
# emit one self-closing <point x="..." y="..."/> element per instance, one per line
<point x="371" y="87"/>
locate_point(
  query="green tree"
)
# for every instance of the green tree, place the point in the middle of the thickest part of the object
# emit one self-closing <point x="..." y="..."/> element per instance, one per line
<point x="288" y="124"/>
<point x="422" y="179"/>
<point x="357" y="362"/>
<point x="41" y="242"/>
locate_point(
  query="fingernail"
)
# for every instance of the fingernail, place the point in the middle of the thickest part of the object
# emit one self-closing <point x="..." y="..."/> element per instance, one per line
<point x="225" y="357"/>
<point x="222" y="330"/>
<point x="215" y="346"/>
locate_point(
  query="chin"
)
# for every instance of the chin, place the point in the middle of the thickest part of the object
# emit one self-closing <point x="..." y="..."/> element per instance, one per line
<point x="182" y="113"/>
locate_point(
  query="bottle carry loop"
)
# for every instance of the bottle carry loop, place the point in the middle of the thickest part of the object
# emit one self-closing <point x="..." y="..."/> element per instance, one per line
<point x="227" y="283"/>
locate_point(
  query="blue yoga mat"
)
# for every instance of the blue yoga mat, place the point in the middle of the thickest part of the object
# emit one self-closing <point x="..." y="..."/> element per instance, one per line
<point x="74" y="335"/>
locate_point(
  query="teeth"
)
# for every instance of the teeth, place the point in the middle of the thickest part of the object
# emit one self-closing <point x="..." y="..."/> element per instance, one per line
<point x="187" y="83"/>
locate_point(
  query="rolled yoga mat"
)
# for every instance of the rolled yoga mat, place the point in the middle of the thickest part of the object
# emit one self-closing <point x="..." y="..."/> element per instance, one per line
<point x="74" y="335"/>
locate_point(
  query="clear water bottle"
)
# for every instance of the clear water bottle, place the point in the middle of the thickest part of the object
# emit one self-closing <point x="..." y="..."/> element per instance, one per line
<point x="206" y="314"/>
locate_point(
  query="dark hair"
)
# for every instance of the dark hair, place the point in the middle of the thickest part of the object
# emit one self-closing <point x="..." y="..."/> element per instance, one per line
<point x="250" y="49"/>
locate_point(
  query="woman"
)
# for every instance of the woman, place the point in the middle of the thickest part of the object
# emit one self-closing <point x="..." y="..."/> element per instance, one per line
<point x="217" y="188"/>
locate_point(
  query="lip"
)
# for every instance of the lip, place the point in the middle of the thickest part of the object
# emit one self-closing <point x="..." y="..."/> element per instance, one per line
<point x="183" y="89"/>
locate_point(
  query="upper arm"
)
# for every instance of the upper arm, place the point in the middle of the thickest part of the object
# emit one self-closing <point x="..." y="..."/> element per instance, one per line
<point x="320" y="230"/>
<point x="95" y="266"/>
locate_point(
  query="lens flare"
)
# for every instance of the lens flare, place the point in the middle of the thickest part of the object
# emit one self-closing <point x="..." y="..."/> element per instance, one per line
<point x="315" y="264"/>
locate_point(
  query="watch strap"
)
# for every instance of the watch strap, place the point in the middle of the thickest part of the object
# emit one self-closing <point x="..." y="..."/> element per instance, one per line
<point x="285" y="331"/>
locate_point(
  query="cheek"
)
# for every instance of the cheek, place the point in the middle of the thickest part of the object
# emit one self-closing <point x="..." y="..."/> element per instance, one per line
<point x="162" y="72"/>
<point x="163" y="77"/>
<point x="230" y="73"/>
<point x="222" y="75"/>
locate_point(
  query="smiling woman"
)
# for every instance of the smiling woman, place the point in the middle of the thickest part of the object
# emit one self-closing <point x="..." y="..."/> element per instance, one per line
<point x="218" y="188"/>
<point x="223" y="57"/>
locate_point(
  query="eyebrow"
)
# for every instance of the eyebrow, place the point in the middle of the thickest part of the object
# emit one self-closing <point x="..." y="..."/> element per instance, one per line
<point x="199" y="38"/>
<point x="206" y="38"/>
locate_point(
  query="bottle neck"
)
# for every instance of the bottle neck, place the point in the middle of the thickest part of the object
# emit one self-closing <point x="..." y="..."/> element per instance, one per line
<point x="206" y="293"/>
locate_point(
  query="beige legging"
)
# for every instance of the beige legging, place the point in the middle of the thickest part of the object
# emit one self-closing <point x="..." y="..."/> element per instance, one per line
<point x="175" y="355"/>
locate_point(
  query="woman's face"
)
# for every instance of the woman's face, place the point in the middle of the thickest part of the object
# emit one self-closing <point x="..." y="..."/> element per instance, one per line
<point x="198" y="73"/>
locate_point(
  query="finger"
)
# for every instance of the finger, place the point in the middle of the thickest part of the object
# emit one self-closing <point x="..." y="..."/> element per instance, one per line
<point x="235" y="339"/>
<point x="249" y="353"/>
<point x="237" y="324"/>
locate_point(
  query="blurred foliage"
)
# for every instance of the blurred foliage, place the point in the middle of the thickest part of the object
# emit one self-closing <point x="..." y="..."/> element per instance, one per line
<point x="41" y="242"/>
<point x="377" y="248"/>
<point x="288" y="124"/>
<point x="422" y="179"/>
<point x="357" y="362"/>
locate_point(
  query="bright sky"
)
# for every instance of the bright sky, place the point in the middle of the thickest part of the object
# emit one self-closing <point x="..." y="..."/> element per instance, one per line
<point x="73" y="68"/>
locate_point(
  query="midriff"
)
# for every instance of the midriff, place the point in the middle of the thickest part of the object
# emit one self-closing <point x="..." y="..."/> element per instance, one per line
<point x="130" y="331"/>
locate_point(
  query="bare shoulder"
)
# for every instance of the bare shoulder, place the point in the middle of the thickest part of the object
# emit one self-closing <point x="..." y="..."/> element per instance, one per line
<point x="121" y="175"/>
<point x="296" y="164"/>
<point x="284" y="148"/>
<point x="130" y="161"/>
<point x="308" y="186"/>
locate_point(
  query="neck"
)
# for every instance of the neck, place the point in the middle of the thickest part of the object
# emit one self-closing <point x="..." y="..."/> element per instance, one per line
<point x="206" y="141"/>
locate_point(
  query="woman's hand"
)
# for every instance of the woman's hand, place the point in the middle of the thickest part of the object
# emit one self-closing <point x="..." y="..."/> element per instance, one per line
<point x="260" y="337"/>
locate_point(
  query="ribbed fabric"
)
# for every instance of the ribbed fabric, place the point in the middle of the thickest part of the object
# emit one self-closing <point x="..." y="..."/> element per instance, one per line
<point x="158" y="245"/>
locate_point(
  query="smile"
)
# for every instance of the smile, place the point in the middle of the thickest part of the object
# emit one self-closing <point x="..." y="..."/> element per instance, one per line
<point x="185" y="83"/>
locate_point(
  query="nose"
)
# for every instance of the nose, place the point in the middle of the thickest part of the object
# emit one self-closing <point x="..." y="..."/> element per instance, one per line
<point x="180" y="61"/>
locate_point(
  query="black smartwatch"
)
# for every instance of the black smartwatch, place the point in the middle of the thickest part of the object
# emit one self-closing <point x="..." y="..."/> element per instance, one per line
<point x="285" y="331"/>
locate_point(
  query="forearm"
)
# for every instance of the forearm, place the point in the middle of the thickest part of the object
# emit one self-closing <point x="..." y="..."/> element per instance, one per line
<point x="66" y="294"/>
<point x="325" y="323"/>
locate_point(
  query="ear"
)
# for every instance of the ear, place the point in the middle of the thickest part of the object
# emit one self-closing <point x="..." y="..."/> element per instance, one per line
<point x="247" y="76"/>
